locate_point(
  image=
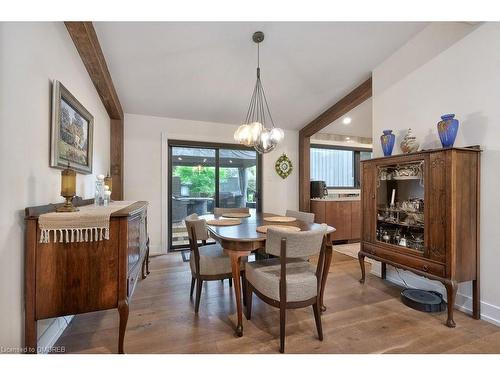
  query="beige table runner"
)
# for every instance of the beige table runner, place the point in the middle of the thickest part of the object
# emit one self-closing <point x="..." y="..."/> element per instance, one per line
<point x="89" y="224"/>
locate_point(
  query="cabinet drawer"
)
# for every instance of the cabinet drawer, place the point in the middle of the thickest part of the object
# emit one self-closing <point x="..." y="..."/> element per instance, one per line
<point x="132" y="280"/>
<point x="137" y="239"/>
<point x="421" y="264"/>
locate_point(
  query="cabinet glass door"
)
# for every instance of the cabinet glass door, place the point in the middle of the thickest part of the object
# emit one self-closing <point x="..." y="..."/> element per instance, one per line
<point x="400" y="205"/>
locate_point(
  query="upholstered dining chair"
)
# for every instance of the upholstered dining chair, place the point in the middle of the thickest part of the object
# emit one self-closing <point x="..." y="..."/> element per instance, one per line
<point x="218" y="211"/>
<point x="207" y="262"/>
<point x="288" y="282"/>
<point x="306" y="217"/>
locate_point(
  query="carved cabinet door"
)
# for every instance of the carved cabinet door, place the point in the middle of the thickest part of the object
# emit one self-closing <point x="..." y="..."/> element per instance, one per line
<point x="438" y="203"/>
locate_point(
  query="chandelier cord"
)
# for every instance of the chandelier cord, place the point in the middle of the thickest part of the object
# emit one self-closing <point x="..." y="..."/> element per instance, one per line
<point x="258" y="103"/>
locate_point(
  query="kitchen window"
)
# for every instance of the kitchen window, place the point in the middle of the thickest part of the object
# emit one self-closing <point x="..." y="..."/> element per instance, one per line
<point x="336" y="165"/>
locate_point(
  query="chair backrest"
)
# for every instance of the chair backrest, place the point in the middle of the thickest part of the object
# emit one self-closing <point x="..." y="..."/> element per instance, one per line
<point x="306" y="217"/>
<point x="226" y="210"/>
<point x="298" y="244"/>
<point x="199" y="225"/>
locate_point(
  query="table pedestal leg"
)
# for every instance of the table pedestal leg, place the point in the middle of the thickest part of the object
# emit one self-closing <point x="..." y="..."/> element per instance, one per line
<point x="326" y="269"/>
<point x="235" y="268"/>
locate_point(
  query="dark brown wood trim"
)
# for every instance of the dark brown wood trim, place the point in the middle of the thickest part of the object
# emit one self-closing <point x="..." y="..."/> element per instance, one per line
<point x="304" y="173"/>
<point x="116" y="158"/>
<point x="87" y="44"/>
<point x="344" y="105"/>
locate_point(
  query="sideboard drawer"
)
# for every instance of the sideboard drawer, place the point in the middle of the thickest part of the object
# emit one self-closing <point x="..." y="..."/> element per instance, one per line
<point x="137" y="239"/>
<point x="421" y="264"/>
<point x="132" y="280"/>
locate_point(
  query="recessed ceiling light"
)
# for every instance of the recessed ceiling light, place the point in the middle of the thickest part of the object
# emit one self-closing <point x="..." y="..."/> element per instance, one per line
<point x="346" y="120"/>
<point x="347" y="138"/>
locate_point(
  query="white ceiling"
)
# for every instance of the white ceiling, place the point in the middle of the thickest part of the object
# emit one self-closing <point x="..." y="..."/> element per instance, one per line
<point x="206" y="71"/>
<point x="361" y="122"/>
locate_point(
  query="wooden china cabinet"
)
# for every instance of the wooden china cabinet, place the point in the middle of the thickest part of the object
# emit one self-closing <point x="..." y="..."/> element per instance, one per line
<point x="420" y="212"/>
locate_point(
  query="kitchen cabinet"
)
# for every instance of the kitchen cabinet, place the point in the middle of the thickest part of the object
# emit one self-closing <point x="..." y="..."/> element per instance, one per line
<point x="343" y="215"/>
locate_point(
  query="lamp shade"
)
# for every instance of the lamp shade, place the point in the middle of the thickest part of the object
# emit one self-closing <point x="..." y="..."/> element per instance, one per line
<point x="277" y="135"/>
<point x="265" y="143"/>
<point x="68" y="182"/>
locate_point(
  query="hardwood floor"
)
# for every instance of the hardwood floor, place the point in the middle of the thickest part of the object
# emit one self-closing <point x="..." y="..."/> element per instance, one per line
<point x="360" y="319"/>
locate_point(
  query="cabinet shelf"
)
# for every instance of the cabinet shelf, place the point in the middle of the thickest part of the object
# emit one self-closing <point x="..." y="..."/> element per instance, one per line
<point x="417" y="226"/>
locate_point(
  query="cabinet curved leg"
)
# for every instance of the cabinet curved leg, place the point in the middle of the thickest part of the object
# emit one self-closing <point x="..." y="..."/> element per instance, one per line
<point x="383" y="270"/>
<point x="123" y="311"/>
<point x="143" y="268"/>
<point x="451" y="291"/>
<point x="361" y="259"/>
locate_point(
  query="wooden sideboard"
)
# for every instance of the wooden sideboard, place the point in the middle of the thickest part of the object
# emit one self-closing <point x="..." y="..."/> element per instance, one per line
<point x="73" y="278"/>
<point x="343" y="215"/>
<point x="442" y="235"/>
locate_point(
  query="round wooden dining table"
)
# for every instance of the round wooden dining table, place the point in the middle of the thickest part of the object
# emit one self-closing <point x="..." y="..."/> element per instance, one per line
<point x="242" y="239"/>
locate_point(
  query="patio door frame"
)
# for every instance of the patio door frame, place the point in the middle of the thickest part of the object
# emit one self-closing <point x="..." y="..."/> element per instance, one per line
<point x="204" y="145"/>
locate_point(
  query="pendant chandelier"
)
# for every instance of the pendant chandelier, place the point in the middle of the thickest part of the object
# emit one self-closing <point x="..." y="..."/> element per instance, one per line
<point x="253" y="132"/>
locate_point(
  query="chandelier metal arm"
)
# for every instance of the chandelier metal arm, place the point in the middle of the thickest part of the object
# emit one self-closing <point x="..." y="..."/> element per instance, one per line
<point x="251" y="105"/>
<point x="267" y="106"/>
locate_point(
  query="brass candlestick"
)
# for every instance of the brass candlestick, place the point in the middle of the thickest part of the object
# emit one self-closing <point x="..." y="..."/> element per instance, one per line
<point x="68" y="189"/>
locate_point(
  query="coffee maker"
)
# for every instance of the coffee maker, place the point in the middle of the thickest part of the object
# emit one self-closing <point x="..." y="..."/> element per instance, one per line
<point x="318" y="189"/>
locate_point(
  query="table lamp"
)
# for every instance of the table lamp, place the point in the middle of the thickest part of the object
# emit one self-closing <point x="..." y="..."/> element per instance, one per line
<point x="68" y="189"/>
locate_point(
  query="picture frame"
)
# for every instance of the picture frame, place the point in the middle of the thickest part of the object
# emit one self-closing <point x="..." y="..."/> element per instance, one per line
<point x="71" y="132"/>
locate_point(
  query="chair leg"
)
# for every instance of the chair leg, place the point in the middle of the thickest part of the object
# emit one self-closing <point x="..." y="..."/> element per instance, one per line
<point x="282" y="327"/>
<point x="230" y="282"/>
<point x="199" y="283"/>
<point x="248" y="299"/>
<point x="244" y="287"/>
<point x="317" y="318"/>
<point x="193" y="281"/>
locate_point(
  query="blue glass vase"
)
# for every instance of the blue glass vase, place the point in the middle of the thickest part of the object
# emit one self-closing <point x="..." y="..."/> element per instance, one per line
<point x="447" y="130"/>
<point x="387" y="140"/>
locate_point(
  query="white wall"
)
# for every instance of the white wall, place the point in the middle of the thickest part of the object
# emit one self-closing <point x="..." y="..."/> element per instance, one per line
<point x="463" y="79"/>
<point x="31" y="56"/>
<point x="143" y="165"/>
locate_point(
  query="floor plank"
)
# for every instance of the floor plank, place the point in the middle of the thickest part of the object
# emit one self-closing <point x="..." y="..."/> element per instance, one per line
<point x="365" y="318"/>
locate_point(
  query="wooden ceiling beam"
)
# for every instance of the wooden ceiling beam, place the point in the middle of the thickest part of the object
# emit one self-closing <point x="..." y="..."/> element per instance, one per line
<point x="87" y="44"/>
<point x="344" y="105"/>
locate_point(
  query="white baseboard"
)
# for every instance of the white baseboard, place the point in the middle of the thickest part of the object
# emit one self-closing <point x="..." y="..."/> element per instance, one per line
<point x="50" y="336"/>
<point x="489" y="313"/>
<point x="156" y="250"/>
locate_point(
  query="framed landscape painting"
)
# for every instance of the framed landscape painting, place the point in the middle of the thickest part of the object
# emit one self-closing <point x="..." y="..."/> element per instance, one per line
<point x="71" y="132"/>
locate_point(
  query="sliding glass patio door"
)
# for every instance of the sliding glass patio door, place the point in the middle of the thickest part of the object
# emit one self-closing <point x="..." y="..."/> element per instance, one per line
<point x="203" y="176"/>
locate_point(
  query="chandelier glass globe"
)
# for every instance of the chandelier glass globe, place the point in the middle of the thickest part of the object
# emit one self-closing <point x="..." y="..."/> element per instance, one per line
<point x="265" y="143"/>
